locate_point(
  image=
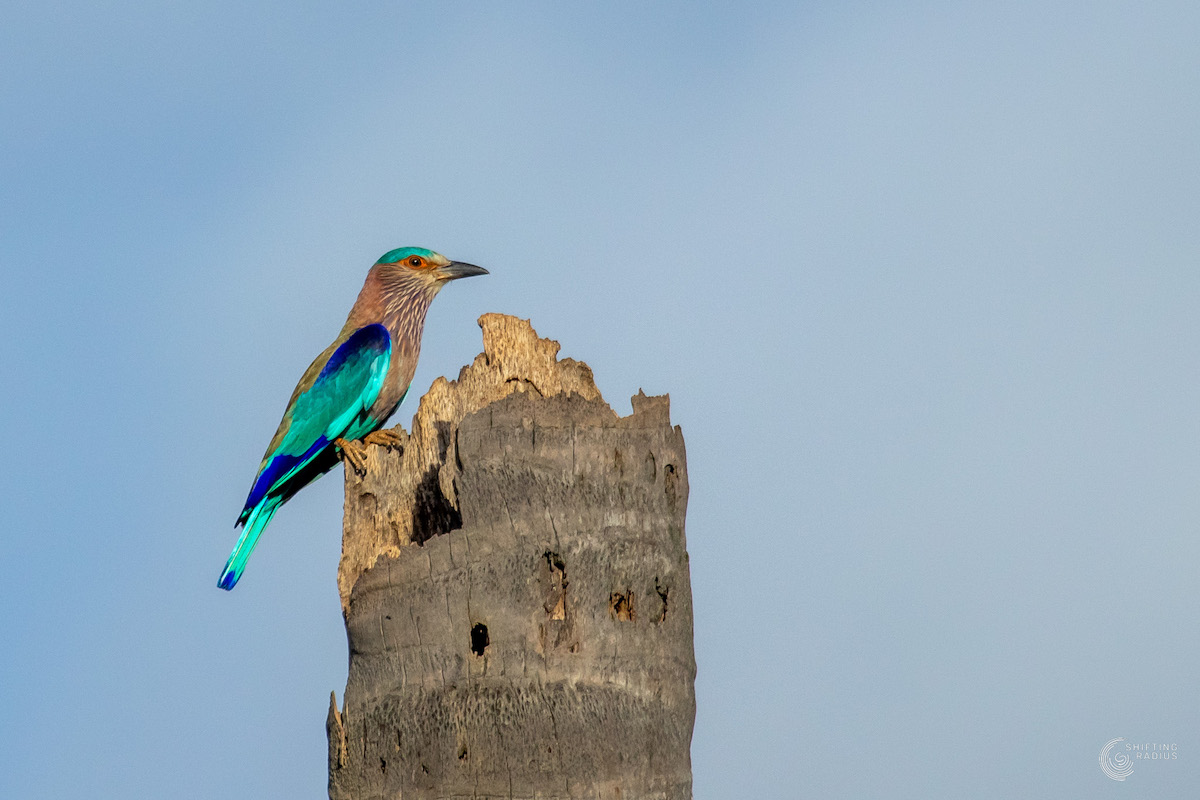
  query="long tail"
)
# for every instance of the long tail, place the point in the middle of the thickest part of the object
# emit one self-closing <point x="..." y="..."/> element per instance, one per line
<point x="255" y="524"/>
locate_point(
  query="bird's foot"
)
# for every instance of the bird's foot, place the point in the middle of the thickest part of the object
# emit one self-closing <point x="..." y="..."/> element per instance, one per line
<point x="353" y="453"/>
<point x="391" y="438"/>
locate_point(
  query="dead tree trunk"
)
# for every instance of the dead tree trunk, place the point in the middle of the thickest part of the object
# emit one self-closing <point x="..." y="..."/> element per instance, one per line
<point x="516" y="592"/>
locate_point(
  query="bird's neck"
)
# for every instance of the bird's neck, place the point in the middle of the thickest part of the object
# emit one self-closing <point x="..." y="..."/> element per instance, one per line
<point x="397" y="299"/>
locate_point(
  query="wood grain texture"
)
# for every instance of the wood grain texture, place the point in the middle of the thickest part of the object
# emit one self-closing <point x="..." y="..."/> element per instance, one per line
<point x="516" y="592"/>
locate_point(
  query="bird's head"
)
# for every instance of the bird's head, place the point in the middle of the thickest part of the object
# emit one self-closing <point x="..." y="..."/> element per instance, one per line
<point x="432" y="269"/>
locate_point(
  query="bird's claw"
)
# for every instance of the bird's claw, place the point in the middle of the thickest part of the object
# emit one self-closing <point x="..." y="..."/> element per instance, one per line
<point x="353" y="453"/>
<point x="388" y="437"/>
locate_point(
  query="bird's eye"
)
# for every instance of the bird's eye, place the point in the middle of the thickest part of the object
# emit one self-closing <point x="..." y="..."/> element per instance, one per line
<point x="415" y="261"/>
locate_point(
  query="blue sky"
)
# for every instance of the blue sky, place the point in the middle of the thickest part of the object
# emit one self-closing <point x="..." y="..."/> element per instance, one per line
<point x="921" y="282"/>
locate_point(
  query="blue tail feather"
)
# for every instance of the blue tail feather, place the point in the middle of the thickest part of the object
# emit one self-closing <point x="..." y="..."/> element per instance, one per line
<point x="255" y="523"/>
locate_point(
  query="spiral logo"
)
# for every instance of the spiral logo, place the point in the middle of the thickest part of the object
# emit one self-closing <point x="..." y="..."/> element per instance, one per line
<point x="1115" y="765"/>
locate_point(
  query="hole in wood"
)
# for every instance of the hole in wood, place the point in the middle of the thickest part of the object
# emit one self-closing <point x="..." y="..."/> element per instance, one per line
<point x="479" y="638"/>
<point x="621" y="606"/>
<point x="556" y="600"/>
<point x="663" y="592"/>
<point x="433" y="514"/>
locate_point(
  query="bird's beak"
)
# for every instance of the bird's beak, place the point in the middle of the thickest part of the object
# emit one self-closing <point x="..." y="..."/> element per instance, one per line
<point x="457" y="269"/>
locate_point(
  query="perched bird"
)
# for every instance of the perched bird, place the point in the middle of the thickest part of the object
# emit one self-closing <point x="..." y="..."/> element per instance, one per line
<point x="349" y="390"/>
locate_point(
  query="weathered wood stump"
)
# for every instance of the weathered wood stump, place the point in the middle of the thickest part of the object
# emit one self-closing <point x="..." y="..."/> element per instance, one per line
<point x="516" y="592"/>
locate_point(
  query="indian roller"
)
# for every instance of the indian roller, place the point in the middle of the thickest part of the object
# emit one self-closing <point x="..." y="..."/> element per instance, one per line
<point x="350" y="389"/>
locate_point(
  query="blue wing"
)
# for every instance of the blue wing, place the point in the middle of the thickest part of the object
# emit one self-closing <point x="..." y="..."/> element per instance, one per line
<point x="335" y="405"/>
